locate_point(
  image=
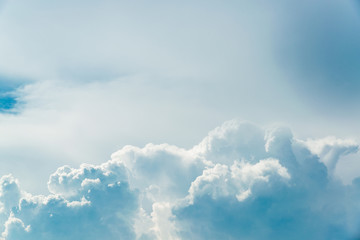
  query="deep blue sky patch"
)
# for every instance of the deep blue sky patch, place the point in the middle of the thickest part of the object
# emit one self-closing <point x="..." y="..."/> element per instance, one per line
<point x="8" y="86"/>
<point x="7" y="102"/>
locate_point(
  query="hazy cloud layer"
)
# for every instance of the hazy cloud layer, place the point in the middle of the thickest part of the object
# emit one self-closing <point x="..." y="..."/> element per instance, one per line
<point x="241" y="181"/>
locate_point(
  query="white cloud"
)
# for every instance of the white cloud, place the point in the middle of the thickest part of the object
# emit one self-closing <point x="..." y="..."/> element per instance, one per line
<point x="235" y="181"/>
<point x="330" y="149"/>
<point x="241" y="181"/>
<point x="86" y="203"/>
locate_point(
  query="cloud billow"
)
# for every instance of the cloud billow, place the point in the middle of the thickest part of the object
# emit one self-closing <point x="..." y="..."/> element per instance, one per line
<point x="240" y="182"/>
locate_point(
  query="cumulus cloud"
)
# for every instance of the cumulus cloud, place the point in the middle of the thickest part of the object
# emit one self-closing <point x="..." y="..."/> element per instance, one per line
<point x="240" y="182"/>
<point x="222" y="181"/>
<point x="330" y="149"/>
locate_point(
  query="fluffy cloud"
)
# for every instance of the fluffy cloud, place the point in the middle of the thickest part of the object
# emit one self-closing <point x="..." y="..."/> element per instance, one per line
<point x="330" y="149"/>
<point x="98" y="209"/>
<point x="241" y="181"/>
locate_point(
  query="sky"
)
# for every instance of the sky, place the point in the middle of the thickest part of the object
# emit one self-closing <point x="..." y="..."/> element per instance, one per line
<point x="103" y="101"/>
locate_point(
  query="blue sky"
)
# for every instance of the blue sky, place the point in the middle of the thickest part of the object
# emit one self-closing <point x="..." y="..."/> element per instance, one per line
<point x="82" y="80"/>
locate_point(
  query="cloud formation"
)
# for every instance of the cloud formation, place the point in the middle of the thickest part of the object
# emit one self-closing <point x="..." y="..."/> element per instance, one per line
<point x="240" y="182"/>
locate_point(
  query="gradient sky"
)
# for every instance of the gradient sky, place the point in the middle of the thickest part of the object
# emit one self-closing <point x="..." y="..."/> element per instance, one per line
<point x="79" y="80"/>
